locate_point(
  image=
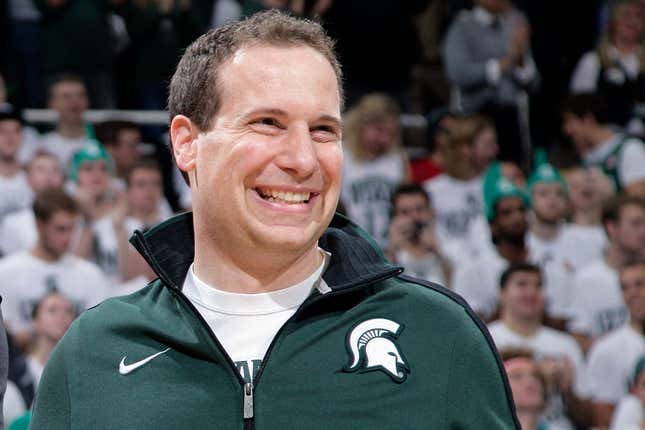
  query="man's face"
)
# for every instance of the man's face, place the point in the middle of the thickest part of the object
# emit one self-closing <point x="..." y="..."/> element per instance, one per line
<point x="94" y="177"/>
<point x="629" y="230"/>
<point x="10" y="138"/>
<point x="144" y="189"/>
<point x="124" y="150"/>
<point x="549" y="202"/>
<point x="510" y="218"/>
<point x="55" y="234"/>
<point x="629" y="23"/>
<point x="377" y="138"/>
<point x="577" y="129"/>
<point x="69" y="100"/>
<point x="268" y="173"/>
<point x="484" y="149"/>
<point x="55" y="315"/>
<point x="522" y="295"/>
<point x="526" y="385"/>
<point x="44" y="172"/>
<point x="632" y="281"/>
<point x="414" y="206"/>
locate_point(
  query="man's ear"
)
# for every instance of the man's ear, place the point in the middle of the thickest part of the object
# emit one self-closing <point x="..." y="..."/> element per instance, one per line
<point x="183" y="138"/>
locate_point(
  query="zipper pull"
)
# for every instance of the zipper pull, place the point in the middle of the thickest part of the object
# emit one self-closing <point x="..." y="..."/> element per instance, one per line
<point x="248" y="400"/>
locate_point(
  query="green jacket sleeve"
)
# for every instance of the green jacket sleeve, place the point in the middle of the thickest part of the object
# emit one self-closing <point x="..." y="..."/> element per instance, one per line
<point x="479" y="396"/>
<point x="52" y="407"/>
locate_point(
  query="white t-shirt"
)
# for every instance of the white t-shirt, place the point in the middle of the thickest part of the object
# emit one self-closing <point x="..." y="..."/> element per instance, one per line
<point x="427" y="268"/>
<point x="631" y="158"/>
<point x="611" y="362"/>
<point x="543" y="251"/>
<point x="366" y="191"/>
<point x="628" y="414"/>
<point x="456" y="204"/>
<point x="26" y="279"/>
<point x="18" y="232"/>
<point x="579" y="245"/>
<point x="15" y="194"/>
<point x="29" y="145"/>
<point x="597" y="301"/>
<point x="546" y="343"/>
<point x="245" y="324"/>
<point x="62" y="147"/>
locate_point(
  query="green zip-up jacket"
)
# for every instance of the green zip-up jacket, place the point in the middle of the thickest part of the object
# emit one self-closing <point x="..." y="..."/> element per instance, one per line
<point x="378" y="351"/>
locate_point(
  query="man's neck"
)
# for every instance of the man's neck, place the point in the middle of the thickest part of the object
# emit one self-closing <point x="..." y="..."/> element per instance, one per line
<point x="545" y="230"/>
<point x="526" y="327"/>
<point x="71" y="130"/>
<point x="244" y="273"/>
<point x="589" y="217"/>
<point x="511" y="251"/>
<point x="9" y="168"/>
<point x="528" y="420"/>
<point x="41" y="253"/>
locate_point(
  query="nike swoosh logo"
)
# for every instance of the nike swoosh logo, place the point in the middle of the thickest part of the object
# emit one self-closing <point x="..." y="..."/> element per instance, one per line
<point x="124" y="369"/>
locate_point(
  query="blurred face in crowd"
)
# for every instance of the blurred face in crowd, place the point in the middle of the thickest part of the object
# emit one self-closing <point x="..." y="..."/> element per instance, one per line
<point x="69" y="99"/>
<point x="54" y="316"/>
<point x="513" y="173"/>
<point x="414" y="206"/>
<point x="94" y="177"/>
<point x="510" y="219"/>
<point x="493" y="6"/>
<point x="628" y="232"/>
<point x="628" y="23"/>
<point x="442" y="134"/>
<point x="55" y="234"/>
<point x="632" y="282"/>
<point x="588" y="188"/>
<point x="10" y="139"/>
<point x="124" y="151"/>
<point x="377" y="138"/>
<point x="578" y="130"/>
<point x="526" y="384"/>
<point x="44" y="172"/>
<point x="484" y="149"/>
<point x="522" y="296"/>
<point x="144" y="190"/>
<point x="549" y="202"/>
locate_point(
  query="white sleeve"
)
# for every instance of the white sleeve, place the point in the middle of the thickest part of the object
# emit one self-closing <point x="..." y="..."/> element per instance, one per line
<point x="604" y="380"/>
<point x="581" y="319"/>
<point x="585" y="75"/>
<point x="628" y="414"/>
<point x="558" y="290"/>
<point x="632" y="162"/>
<point x="527" y="72"/>
<point x="493" y="71"/>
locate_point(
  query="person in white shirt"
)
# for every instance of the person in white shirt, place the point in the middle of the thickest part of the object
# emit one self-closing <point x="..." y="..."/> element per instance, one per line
<point x="597" y="304"/>
<point x="15" y="193"/>
<point x="18" y="230"/>
<point x="613" y="357"/>
<point x="630" y="412"/>
<point x="68" y="97"/>
<point x="621" y="157"/>
<point x="27" y="276"/>
<point x="520" y="326"/>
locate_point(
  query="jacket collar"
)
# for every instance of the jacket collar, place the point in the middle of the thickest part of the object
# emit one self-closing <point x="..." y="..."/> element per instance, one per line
<point x="355" y="258"/>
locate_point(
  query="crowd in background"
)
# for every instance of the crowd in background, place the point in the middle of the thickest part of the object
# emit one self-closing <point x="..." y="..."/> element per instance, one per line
<point x="524" y="192"/>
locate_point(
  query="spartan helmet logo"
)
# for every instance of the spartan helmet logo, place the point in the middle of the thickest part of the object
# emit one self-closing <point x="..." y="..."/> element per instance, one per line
<point x="371" y="345"/>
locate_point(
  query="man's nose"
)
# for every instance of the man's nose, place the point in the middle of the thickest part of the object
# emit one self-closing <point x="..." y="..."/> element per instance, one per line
<point x="298" y="155"/>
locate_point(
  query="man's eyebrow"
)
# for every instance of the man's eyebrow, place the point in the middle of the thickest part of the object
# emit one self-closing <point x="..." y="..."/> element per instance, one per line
<point x="279" y="112"/>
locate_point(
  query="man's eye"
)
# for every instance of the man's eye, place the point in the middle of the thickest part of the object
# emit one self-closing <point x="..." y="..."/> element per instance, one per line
<point x="324" y="132"/>
<point x="267" y="121"/>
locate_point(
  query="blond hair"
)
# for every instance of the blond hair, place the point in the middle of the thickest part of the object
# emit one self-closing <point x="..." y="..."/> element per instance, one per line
<point x="607" y="39"/>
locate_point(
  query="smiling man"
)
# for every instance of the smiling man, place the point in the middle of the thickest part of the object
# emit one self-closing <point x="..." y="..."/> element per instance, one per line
<point x="268" y="311"/>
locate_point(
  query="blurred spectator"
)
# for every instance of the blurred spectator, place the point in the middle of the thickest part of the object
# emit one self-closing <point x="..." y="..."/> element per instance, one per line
<point x="488" y="60"/>
<point x="412" y="238"/>
<point x="528" y="387"/>
<point x="597" y="303"/>
<point x="620" y="156"/>
<point x="18" y="230"/>
<point x="612" y="359"/>
<point x="440" y="122"/>
<point x="559" y="356"/>
<point x="47" y="267"/>
<point x="159" y="31"/>
<point x="14" y="189"/>
<point x="629" y="414"/>
<point x="120" y="139"/>
<point x="68" y="97"/>
<point x="77" y="39"/>
<point x="457" y="193"/>
<point x="374" y="163"/>
<point x="616" y="69"/>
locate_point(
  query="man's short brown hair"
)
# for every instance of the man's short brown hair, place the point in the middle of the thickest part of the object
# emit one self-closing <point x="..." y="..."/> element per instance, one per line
<point x="612" y="209"/>
<point x="53" y="200"/>
<point x="194" y="90"/>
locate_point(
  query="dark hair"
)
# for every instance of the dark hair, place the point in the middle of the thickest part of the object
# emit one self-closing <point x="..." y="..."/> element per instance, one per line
<point x="194" y="90"/>
<point x="586" y="103"/>
<point x="515" y="268"/>
<point x="408" y="188"/>
<point x="64" y="77"/>
<point x="50" y="201"/>
<point x="108" y="132"/>
<point x="611" y="210"/>
<point x="144" y="163"/>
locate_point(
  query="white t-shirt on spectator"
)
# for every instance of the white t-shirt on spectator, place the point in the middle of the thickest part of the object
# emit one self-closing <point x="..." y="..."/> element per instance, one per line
<point x="543" y="251"/>
<point x="628" y="414"/>
<point x="15" y="194"/>
<point x="611" y="362"/>
<point x="245" y="324"/>
<point x="26" y="279"/>
<point x="546" y="343"/>
<point x="580" y="245"/>
<point x="18" y="232"/>
<point x="62" y="147"/>
<point x="631" y="158"/>
<point x="597" y="300"/>
<point x="427" y="268"/>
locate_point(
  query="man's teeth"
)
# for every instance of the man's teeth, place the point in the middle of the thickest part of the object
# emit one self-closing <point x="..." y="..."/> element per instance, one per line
<point x="284" y="196"/>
